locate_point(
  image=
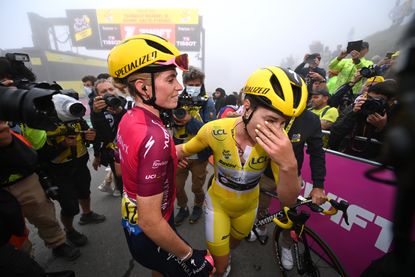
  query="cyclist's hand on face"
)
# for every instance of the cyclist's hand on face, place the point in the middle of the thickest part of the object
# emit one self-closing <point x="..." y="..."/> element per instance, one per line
<point x="318" y="196"/>
<point x="276" y="143"/>
<point x="200" y="263"/>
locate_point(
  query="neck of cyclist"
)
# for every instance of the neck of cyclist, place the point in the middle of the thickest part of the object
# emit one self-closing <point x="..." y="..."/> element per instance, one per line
<point x="139" y="103"/>
<point x="241" y="134"/>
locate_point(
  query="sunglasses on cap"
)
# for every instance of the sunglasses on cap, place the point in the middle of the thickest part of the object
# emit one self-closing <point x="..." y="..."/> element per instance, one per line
<point x="181" y="61"/>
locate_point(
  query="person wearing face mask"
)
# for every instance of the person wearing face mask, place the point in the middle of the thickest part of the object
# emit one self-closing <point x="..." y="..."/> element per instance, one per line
<point x="88" y="82"/>
<point x="186" y="128"/>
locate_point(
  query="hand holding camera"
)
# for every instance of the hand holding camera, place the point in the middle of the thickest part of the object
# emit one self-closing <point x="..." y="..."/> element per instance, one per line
<point x="108" y="102"/>
<point x="377" y="120"/>
<point x="90" y="134"/>
<point x="99" y="104"/>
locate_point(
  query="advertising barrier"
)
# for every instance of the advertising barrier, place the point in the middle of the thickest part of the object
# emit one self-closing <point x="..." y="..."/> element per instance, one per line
<point x="369" y="233"/>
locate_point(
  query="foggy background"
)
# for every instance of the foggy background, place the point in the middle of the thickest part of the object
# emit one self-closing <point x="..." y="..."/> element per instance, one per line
<point x="241" y="36"/>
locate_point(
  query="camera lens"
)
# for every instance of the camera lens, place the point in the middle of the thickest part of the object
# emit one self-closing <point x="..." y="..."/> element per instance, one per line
<point x="179" y="113"/>
<point x="77" y="110"/>
<point x="112" y="100"/>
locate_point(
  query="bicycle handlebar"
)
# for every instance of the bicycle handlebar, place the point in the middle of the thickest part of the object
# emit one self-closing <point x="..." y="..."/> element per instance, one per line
<point x="300" y="218"/>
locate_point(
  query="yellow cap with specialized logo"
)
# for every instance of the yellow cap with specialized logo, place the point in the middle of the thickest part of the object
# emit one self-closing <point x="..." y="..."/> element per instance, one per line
<point x="278" y="88"/>
<point x="144" y="53"/>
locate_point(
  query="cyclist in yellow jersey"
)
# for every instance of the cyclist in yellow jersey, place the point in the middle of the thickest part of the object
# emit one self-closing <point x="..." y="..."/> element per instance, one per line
<point x="242" y="148"/>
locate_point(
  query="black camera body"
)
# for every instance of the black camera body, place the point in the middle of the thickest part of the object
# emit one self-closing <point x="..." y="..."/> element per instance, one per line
<point x="112" y="101"/>
<point x="371" y="71"/>
<point x="374" y="105"/>
<point x="187" y="103"/>
<point x="34" y="103"/>
<point x="310" y="58"/>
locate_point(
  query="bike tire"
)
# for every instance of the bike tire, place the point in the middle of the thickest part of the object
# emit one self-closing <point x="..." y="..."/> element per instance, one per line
<point x="324" y="263"/>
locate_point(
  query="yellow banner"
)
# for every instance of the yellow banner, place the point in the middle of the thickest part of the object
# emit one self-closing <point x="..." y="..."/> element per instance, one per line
<point x="83" y="34"/>
<point x="147" y="16"/>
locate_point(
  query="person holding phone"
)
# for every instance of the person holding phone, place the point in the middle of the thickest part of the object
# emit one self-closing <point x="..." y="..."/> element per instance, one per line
<point x="348" y="67"/>
<point x="312" y="72"/>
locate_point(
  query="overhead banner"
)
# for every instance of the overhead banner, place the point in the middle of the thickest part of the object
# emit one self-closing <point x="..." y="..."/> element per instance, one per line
<point x="105" y="28"/>
<point x="83" y="26"/>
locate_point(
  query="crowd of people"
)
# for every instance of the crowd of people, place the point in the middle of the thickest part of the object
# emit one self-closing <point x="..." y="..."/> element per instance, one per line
<point x="151" y="131"/>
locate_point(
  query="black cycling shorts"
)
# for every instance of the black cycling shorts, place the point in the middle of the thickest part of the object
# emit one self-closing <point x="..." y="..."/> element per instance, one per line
<point x="149" y="255"/>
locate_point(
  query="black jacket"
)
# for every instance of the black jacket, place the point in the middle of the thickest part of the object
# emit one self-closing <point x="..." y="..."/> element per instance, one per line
<point x="303" y="71"/>
<point x="351" y="124"/>
<point x="105" y="125"/>
<point x="307" y="129"/>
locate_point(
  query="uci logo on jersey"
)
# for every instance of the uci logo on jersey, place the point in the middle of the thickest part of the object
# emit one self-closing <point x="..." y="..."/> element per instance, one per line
<point x="219" y="134"/>
<point x="258" y="163"/>
<point x="151" y="176"/>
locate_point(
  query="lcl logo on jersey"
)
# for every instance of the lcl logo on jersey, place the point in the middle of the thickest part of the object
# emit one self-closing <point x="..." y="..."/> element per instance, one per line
<point x="258" y="163"/>
<point x="219" y="134"/>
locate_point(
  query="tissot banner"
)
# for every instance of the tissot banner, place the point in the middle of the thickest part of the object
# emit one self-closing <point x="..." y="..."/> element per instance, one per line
<point x="105" y="28"/>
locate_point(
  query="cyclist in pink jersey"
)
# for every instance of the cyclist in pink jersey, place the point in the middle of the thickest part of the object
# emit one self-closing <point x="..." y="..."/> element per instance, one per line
<point x="146" y="64"/>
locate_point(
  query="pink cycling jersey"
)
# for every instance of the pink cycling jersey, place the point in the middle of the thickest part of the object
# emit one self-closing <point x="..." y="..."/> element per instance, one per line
<point x="148" y="158"/>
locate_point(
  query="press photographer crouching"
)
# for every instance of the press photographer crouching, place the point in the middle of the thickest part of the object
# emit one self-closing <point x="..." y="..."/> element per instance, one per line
<point x="360" y="130"/>
<point x="107" y="111"/>
<point x="18" y="157"/>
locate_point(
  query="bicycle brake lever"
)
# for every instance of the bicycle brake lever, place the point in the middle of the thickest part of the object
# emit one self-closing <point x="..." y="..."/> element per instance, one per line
<point x="341" y="206"/>
<point x="315" y="208"/>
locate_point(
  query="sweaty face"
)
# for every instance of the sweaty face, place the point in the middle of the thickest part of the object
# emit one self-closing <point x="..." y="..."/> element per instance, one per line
<point x="167" y="89"/>
<point x="260" y="116"/>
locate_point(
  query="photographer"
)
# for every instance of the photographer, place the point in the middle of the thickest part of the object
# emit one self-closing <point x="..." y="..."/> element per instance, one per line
<point x="367" y="117"/>
<point x="19" y="162"/>
<point x="312" y="72"/>
<point x="106" y="115"/>
<point x="67" y="165"/>
<point x="185" y="128"/>
<point x="348" y="67"/>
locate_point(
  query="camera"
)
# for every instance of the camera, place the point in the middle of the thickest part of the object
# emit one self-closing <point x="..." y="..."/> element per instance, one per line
<point x="374" y="105"/>
<point x="310" y="58"/>
<point x="179" y="113"/>
<point x="39" y="105"/>
<point x="112" y="100"/>
<point x="371" y="71"/>
<point x="187" y="103"/>
<point x="48" y="185"/>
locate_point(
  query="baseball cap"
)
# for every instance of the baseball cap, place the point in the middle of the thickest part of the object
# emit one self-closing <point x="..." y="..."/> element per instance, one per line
<point x="321" y="91"/>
